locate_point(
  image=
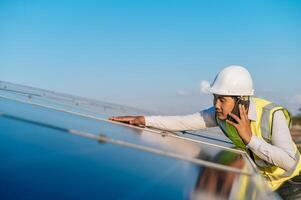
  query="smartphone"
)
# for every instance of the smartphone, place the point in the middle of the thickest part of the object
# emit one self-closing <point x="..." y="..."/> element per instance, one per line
<point x="235" y="110"/>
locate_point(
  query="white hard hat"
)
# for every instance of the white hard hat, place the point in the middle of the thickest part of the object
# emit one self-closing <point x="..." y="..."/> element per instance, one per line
<point x="233" y="81"/>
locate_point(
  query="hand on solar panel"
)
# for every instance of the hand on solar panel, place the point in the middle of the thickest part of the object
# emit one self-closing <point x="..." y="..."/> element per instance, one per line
<point x="133" y="120"/>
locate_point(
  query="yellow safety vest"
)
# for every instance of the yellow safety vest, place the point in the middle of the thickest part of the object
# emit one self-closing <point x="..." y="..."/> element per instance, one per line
<point x="262" y="128"/>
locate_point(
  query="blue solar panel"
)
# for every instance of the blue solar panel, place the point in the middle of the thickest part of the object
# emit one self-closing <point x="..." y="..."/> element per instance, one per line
<point x="42" y="158"/>
<point x="39" y="163"/>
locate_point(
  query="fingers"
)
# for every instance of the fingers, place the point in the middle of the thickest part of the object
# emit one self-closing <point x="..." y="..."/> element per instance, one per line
<point x="121" y="119"/>
<point x="235" y="117"/>
<point x="243" y="112"/>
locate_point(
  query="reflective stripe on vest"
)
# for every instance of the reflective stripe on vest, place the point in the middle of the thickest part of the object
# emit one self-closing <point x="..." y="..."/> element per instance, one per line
<point x="267" y="120"/>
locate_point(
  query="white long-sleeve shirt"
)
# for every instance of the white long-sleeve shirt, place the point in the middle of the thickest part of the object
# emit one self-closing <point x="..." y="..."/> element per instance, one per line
<point x="280" y="152"/>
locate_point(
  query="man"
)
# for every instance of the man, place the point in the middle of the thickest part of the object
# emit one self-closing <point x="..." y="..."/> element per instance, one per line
<point x="256" y="125"/>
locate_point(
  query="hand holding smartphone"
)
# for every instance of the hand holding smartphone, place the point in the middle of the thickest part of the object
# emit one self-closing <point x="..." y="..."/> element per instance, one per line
<point x="235" y="110"/>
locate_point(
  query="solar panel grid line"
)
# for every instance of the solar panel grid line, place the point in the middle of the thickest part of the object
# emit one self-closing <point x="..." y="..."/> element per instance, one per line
<point x="63" y="96"/>
<point x="73" y="102"/>
<point x="105" y="139"/>
<point x="19" y="92"/>
<point x="187" y="132"/>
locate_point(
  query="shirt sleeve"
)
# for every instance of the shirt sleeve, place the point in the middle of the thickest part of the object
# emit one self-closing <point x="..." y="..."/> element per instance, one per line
<point x="196" y="121"/>
<point x="281" y="151"/>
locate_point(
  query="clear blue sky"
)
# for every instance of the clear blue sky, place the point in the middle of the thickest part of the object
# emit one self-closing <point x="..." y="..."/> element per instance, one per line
<point x="151" y="54"/>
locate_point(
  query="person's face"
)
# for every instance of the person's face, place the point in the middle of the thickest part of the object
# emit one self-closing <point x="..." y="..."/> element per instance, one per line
<point x="223" y="105"/>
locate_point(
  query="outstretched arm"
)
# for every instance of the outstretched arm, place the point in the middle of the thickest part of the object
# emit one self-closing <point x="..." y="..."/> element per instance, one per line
<point x="196" y="121"/>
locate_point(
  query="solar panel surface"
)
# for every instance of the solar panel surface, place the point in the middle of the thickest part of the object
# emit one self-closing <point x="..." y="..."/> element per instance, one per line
<point x="59" y="146"/>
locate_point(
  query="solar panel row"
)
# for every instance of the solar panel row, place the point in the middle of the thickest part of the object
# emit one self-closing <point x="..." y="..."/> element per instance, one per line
<point x="101" y="159"/>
